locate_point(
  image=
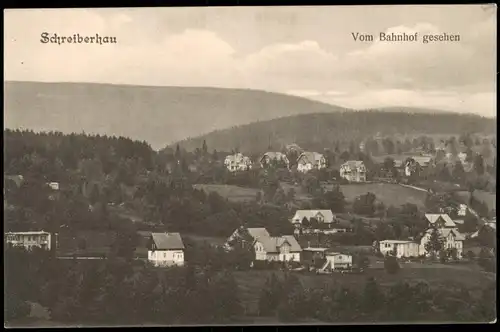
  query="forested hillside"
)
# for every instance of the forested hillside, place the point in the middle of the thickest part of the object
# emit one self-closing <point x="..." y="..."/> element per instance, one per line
<point x="159" y="115"/>
<point x="323" y="130"/>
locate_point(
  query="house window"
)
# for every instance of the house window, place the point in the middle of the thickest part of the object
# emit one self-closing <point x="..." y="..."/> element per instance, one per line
<point x="164" y="255"/>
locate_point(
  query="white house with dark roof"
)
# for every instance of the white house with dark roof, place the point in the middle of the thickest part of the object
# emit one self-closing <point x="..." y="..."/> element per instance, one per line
<point x="271" y="158"/>
<point x="284" y="249"/>
<point x="310" y="160"/>
<point x="353" y="171"/>
<point x="166" y="249"/>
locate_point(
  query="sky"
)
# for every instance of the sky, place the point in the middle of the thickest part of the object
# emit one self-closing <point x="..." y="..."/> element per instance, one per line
<point x="304" y="51"/>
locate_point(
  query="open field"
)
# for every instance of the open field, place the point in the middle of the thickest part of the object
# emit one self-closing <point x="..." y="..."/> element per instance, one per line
<point x="300" y="194"/>
<point x="389" y="194"/>
<point x="233" y="193"/>
<point x="489" y="198"/>
<point x="251" y="282"/>
<point x="85" y="242"/>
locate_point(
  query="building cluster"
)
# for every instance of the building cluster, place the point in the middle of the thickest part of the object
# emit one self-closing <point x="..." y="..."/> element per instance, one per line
<point x="286" y="249"/>
<point x="305" y="162"/>
<point x="351" y="170"/>
<point x="448" y="235"/>
<point x="167" y="249"/>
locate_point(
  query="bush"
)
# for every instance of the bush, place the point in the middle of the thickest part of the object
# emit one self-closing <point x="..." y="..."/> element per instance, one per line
<point x="471" y="255"/>
<point x="16" y="309"/>
<point x="391" y="265"/>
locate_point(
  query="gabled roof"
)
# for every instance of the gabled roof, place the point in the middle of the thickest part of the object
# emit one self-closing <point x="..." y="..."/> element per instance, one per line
<point x="272" y="244"/>
<point x="167" y="241"/>
<point x="445" y="232"/>
<point x="353" y="163"/>
<point x="258" y="232"/>
<point x="312" y="157"/>
<point x="432" y="218"/>
<point x="308" y="214"/>
<point x="254" y="232"/>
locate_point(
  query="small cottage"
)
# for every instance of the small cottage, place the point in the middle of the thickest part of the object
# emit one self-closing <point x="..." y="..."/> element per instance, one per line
<point x="166" y="249"/>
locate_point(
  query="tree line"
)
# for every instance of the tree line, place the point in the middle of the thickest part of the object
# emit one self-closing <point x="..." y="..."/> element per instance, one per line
<point x="118" y="292"/>
<point x="290" y="301"/>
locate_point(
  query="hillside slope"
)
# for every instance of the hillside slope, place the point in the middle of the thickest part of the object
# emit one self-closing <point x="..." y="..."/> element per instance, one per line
<point x="158" y="115"/>
<point x="322" y="130"/>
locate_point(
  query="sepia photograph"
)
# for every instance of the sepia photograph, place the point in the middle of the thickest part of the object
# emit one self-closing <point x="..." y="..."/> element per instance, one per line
<point x="280" y="165"/>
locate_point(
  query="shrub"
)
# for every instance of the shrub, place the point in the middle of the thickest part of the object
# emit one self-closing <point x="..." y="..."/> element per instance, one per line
<point x="470" y="255"/>
<point x="391" y="265"/>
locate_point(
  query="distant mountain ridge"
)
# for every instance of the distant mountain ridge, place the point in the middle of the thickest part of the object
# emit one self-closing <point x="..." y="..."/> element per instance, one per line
<point x="164" y="115"/>
<point x="158" y="115"/>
